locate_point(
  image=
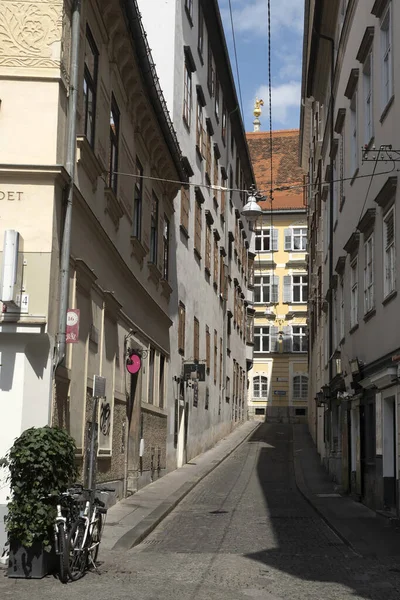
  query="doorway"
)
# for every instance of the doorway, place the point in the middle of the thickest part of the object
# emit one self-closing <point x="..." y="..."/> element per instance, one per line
<point x="389" y="453"/>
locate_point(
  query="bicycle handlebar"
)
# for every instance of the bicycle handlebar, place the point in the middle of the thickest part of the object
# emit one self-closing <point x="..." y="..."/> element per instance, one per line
<point x="104" y="489"/>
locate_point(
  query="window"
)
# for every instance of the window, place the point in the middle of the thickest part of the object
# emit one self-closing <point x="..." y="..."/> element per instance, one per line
<point x="210" y="71"/>
<point x="208" y="248"/>
<point x="200" y="133"/>
<point x="341" y="309"/>
<point x="224" y="123"/>
<point x="208" y="155"/>
<point x="197" y="227"/>
<point x="386" y="46"/>
<point x="114" y="141"/>
<point x="261" y="339"/>
<point x="224" y="183"/>
<point x="137" y="201"/>
<point x="300" y="341"/>
<point x="354" y="293"/>
<point x="259" y="411"/>
<point x="295" y="288"/>
<point x="215" y="261"/>
<point x="300" y="387"/>
<point x="208" y="348"/>
<point x="220" y="361"/>
<point x="166" y="249"/>
<point x="196" y="339"/>
<point x="222" y="279"/>
<point x="217" y="92"/>
<point x="215" y="354"/>
<point x="216" y="177"/>
<point x="368" y="106"/>
<point x="354" y="134"/>
<point x="185" y="203"/>
<point x="161" y="381"/>
<point x="90" y="86"/>
<point x="181" y="327"/>
<point x="296" y="239"/>
<point x="154" y="229"/>
<point x="266" y="239"/>
<point x="189" y="10"/>
<point x="369" y="274"/>
<point x="390" y="253"/>
<point x="200" y="38"/>
<point x="260" y="386"/>
<point x="150" y="397"/>
<point x="266" y="289"/>
<point x="249" y="328"/>
<point x="187" y="96"/>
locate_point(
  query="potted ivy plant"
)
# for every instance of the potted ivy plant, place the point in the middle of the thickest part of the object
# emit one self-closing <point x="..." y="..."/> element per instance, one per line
<point x="40" y="462"/>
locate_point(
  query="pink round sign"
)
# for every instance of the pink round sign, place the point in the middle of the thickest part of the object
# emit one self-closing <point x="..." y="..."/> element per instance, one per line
<point x="133" y="363"/>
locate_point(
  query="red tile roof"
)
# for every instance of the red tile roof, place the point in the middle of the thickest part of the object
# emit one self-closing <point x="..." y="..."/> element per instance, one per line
<point x="285" y="169"/>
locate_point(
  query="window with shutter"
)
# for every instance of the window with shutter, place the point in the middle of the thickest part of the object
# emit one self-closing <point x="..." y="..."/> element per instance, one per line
<point x="196" y="339"/>
<point x="208" y="348"/>
<point x="299" y="289"/>
<point x="208" y="248"/>
<point x="288" y="240"/>
<point x="390" y="255"/>
<point x="275" y="234"/>
<point x="300" y="341"/>
<point x="369" y="274"/>
<point x="216" y="178"/>
<point x="208" y="155"/>
<point x="262" y="339"/>
<point x="275" y="289"/>
<point x="181" y="327"/>
<point x="197" y="228"/>
<point x="274" y="344"/>
<point x="200" y="127"/>
<point x="216" y="259"/>
<point x="185" y="203"/>
<point x="287" y="338"/>
<point x="287" y="288"/>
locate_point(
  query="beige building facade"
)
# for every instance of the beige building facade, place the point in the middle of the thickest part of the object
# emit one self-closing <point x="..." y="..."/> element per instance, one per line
<point x="278" y="381"/>
<point x="349" y="141"/>
<point x="120" y="278"/>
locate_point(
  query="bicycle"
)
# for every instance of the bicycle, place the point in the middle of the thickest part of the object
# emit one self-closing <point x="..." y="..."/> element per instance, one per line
<point x="85" y="535"/>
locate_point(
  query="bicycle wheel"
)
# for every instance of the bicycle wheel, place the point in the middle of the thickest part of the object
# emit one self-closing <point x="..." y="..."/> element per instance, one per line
<point x="77" y="552"/>
<point x="63" y="552"/>
<point x="94" y="545"/>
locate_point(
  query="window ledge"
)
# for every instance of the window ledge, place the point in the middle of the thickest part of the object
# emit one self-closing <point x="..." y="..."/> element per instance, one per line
<point x="138" y="249"/>
<point x="371" y="313"/>
<point x="113" y="206"/>
<point x="87" y="158"/>
<point x="184" y="231"/>
<point x="386" y="109"/>
<point x="197" y="253"/>
<point x="155" y="273"/>
<point x="389" y="297"/>
<point x="166" y="287"/>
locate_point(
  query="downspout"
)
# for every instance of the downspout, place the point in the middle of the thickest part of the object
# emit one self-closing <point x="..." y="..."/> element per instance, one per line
<point x="70" y="167"/>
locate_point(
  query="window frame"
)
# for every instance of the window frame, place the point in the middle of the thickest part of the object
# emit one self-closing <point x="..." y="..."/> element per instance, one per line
<point x="301" y="395"/>
<point x="115" y="117"/>
<point x="166" y="238"/>
<point x="389" y="253"/>
<point x="261" y="335"/>
<point x="187" y="95"/>
<point x="354" y="292"/>
<point x="271" y="284"/>
<point x="200" y="33"/>
<point x="386" y="56"/>
<point x="369" y="274"/>
<point x="91" y="83"/>
<point x="368" y="90"/>
<point x="138" y="201"/>
<point x="354" y="132"/>
<point x="295" y="231"/>
<point x="196" y="339"/>
<point x="266" y="233"/>
<point x="302" y="285"/>
<point x="154" y="228"/>
<point x="302" y="336"/>
<point x="181" y="328"/>
<point x="262" y="381"/>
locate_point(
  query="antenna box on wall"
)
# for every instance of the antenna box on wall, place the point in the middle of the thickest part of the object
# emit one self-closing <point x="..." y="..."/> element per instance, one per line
<point x="11" y="274"/>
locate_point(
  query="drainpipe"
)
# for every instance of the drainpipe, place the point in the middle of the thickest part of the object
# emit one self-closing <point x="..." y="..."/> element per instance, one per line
<point x="70" y="167"/>
<point x="331" y="199"/>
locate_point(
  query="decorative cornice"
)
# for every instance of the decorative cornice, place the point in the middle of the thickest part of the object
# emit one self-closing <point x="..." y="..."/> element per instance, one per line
<point x="85" y="276"/>
<point x="111" y="304"/>
<point x="366" y="44"/>
<point x="367" y="221"/>
<point x="379" y="8"/>
<point x="113" y="207"/>
<point x="352" y="83"/>
<point x="352" y="243"/>
<point x="340" y="265"/>
<point x="387" y="193"/>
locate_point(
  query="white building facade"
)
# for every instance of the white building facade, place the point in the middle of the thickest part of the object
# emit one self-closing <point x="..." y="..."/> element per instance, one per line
<point x="120" y="237"/>
<point x="211" y="237"/>
<point x="350" y="137"/>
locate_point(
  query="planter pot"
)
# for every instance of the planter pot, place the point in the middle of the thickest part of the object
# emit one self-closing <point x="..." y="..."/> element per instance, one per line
<point x="30" y="563"/>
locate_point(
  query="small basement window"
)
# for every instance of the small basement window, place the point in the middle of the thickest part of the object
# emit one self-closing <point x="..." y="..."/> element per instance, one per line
<point x="300" y="412"/>
<point x="260" y="411"/>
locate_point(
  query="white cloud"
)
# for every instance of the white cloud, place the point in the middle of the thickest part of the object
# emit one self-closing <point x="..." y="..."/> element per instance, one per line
<point x="285" y="97"/>
<point x="252" y="16"/>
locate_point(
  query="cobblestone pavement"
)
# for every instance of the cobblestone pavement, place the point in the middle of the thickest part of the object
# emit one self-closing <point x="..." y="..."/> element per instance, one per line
<point x="244" y="532"/>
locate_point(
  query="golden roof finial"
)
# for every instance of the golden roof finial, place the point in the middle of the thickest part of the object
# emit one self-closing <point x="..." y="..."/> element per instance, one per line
<point x="257" y="107"/>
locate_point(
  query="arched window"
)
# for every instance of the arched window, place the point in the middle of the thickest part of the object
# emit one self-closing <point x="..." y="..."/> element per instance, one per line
<point x="260" y="386"/>
<point x="300" y="386"/>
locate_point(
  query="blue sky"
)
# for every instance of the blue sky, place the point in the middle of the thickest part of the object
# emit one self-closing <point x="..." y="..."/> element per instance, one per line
<point x="250" y="19"/>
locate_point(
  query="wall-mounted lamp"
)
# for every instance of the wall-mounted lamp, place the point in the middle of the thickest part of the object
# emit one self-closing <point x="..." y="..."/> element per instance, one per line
<point x="326" y="391"/>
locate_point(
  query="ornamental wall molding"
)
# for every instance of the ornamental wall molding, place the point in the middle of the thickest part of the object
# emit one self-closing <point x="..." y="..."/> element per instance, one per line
<point x="31" y="33"/>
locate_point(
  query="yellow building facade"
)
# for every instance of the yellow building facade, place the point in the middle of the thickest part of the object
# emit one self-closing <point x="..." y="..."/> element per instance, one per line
<point x="278" y="380"/>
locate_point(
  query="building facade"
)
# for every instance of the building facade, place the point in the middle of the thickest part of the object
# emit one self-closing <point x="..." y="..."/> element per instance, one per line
<point x="208" y="305"/>
<point x="348" y="130"/>
<point x="124" y="154"/>
<point x="278" y="390"/>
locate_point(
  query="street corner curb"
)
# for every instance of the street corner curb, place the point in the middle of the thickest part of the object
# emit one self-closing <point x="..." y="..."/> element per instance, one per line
<point x="302" y="488"/>
<point x="139" y="532"/>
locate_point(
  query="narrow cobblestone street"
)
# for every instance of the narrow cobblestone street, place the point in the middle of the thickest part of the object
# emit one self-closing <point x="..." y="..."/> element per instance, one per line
<point x="244" y="532"/>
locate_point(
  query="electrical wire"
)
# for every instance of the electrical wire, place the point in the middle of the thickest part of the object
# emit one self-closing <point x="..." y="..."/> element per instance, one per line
<point x="236" y="58"/>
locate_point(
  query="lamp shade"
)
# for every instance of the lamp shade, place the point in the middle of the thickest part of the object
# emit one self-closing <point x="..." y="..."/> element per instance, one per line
<point x="251" y="210"/>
